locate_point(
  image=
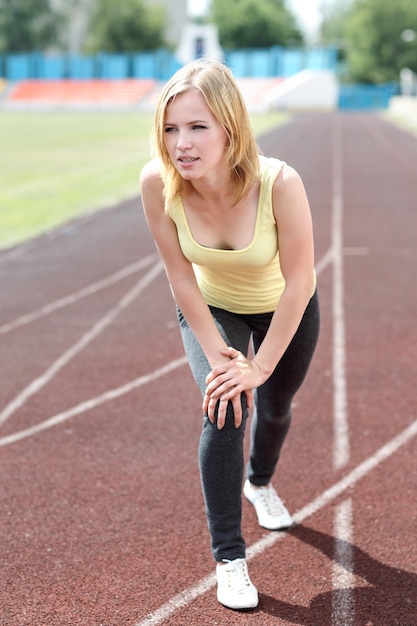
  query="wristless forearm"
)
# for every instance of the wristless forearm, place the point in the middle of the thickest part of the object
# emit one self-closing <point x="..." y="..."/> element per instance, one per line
<point x="201" y="322"/>
<point x="284" y="325"/>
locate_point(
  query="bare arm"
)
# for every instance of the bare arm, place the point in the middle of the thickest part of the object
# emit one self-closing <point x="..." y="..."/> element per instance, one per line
<point x="182" y="279"/>
<point x="296" y="250"/>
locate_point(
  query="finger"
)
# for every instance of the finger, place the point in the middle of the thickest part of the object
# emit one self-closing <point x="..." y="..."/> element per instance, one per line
<point x="213" y="387"/>
<point x="221" y="412"/>
<point x="249" y="398"/>
<point x="211" y="404"/>
<point x="222" y="384"/>
<point x="215" y="373"/>
<point x="226" y="391"/>
<point x="211" y="376"/>
<point x="230" y="352"/>
<point x="219" y="370"/>
<point x="237" y="410"/>
<point x="206" y="399"/>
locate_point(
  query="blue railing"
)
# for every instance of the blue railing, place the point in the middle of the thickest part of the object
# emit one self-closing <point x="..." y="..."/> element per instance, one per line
<point x="362" y="97"/>
<point x="279" y="61"/>
<point x="159" y="64"/>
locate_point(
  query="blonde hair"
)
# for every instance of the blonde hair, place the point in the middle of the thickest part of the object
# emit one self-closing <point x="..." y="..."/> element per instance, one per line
<point x="218" y="86"/>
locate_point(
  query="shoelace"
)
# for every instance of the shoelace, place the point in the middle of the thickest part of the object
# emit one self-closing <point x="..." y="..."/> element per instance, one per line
<point x="237" y="577"/>
<point x="271" y="501"/>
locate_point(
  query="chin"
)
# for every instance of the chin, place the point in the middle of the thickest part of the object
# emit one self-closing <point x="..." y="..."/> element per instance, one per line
<point x="188" y="174"/>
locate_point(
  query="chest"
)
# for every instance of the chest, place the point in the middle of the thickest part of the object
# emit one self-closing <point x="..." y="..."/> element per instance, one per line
<point x="222" y="227"/>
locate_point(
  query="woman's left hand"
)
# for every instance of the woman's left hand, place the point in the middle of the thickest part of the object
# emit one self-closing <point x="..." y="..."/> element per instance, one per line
<point x="228" y="381"/>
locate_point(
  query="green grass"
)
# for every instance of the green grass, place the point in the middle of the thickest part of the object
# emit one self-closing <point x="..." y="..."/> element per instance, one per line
<point x="56" y="166"/>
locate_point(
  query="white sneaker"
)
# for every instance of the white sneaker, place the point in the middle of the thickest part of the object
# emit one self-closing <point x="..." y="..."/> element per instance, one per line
<point x="269" y="507"/>
<point x="234" y="587"/>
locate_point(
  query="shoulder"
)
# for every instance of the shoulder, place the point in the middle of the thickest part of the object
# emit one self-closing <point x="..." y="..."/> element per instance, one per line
<point x="270" y="163"/>
<point x="279" y="177"/>
<point x="152" y="188"/>
<point x="288" y="181"/>
<point x="151" y="168"/>
<point x="289" y="198"/>
<point x="150" y="176"/>
<point x="270" y="169"/>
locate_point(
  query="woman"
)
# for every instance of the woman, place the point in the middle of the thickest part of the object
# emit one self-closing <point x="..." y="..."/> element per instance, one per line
<point x="234" y="231"/>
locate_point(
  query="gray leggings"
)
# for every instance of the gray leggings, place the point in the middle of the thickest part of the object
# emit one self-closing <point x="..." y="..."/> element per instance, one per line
<point x="221" y="451"/>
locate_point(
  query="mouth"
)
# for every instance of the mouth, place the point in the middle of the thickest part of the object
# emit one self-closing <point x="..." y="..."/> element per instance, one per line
<point x="186" y="160"/>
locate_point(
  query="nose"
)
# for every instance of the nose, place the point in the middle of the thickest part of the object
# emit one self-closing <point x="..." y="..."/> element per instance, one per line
<point x="183" y="140"/>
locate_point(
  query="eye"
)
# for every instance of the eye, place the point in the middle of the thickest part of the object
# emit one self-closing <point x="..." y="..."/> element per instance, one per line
<point x="169" y="129"/>
<point x="199" y="127"/>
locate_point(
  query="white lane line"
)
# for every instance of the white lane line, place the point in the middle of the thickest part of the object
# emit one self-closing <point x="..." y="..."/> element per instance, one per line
<point x="355" y="251"/>
<point x="343" y="602"/>
<point x="78" y="295"/>
<point x="92" y="403"/>
<point x="31" y="389"/>
<point x="326" y="260"/>
<point x="184" y="598"/>
<point x="341" y="450"/>
<point x="177" y="602"/>
<point x="91" y="334"/>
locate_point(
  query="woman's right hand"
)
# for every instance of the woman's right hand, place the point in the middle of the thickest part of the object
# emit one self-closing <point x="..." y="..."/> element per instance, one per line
<point x="226" y="382"/>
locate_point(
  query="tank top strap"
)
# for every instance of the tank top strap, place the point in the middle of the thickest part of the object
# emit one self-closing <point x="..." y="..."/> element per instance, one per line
<point x="270" y="169"/>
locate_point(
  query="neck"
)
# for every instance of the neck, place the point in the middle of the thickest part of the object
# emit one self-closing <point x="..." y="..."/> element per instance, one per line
<point x="218" y="192"/>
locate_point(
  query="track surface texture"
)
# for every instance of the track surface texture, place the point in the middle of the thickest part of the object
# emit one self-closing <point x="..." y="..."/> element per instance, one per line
<point x="102" y="520"/>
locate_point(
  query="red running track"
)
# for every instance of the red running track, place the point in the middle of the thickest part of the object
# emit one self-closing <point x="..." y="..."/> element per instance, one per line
<point x="102" y="520"/>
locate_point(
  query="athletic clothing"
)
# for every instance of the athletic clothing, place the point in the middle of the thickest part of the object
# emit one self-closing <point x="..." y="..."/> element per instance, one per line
<point x="242" y="289"/>
<point x="247" y="280"/>
<point x="221" y="452"/>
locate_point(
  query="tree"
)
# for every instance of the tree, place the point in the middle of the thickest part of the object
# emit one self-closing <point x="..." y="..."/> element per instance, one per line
<point x="376" y="46"/>
<point x="27" y="25"/>
<point x="333" y="24"/>
<point x="332" y="30"/>
<point x="254" y="23"/>
<point x="124" y="26"/>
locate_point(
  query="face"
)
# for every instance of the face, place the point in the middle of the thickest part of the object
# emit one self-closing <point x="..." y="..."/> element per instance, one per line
<point x="194" y="139"/>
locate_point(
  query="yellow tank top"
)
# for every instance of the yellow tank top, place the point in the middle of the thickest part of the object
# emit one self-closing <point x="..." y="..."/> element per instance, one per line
<point x="242" y="281"/>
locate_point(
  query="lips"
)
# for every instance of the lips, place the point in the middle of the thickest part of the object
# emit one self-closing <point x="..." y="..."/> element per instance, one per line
<point x="187" y="159"/>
